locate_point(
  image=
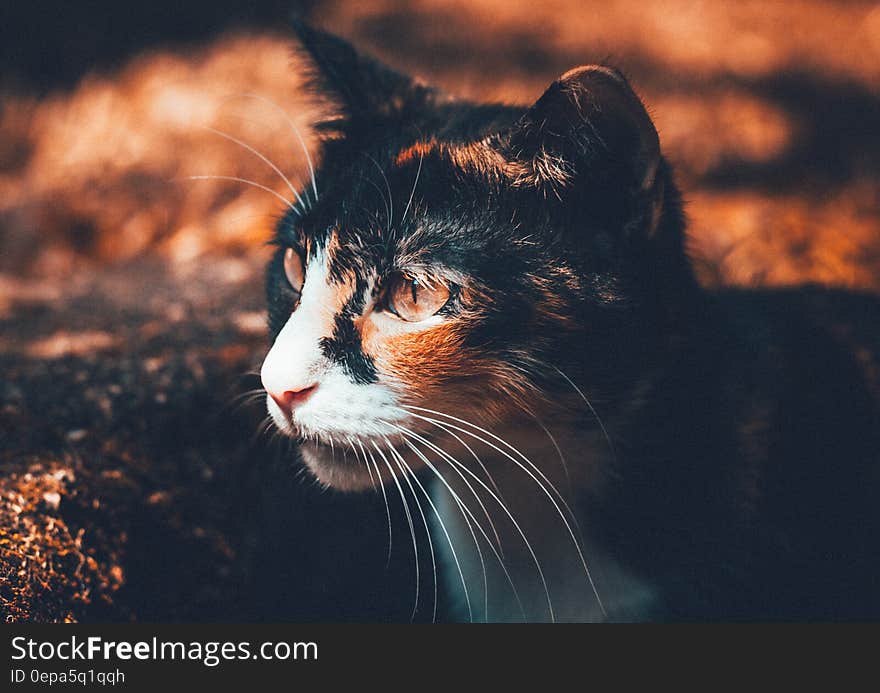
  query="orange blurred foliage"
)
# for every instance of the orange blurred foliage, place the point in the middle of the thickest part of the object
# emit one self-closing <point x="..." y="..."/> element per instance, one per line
<point x="769" y="111"/>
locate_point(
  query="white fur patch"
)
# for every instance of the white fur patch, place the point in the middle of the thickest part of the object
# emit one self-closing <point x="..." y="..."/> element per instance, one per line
<point x="339" y="409"/>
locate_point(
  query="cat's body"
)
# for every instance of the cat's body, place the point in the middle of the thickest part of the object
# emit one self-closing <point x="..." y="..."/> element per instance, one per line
<point x="501" y="297"/>
<point x="742" y="483"/>
<point x="764" y="479"/>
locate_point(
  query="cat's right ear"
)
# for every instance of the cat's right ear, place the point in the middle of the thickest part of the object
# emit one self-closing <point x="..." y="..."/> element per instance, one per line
<point x="590" y="138"/>
<point x="365" y="91"/>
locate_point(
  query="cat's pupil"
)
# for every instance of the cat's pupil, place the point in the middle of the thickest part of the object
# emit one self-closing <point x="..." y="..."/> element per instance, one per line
<point x="413" y="301"/>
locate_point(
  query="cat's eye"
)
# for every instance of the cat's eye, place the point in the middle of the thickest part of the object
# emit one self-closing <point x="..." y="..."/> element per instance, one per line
<point x="294" y="270"/>
<point x="413" y="300"/>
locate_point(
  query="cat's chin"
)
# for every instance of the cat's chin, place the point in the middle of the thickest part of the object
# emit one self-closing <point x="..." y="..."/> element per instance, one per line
<point x="334" y="470"/>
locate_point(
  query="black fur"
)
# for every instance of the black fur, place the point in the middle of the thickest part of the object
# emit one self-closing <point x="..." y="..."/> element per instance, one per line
<point x="746" y="474"/>
<point x="344" y="347"/>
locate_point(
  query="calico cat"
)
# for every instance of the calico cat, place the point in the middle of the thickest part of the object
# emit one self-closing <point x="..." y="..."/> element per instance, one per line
<point x="501" y="298"/>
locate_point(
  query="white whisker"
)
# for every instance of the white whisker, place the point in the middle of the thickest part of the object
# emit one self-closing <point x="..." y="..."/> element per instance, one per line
<point x="592" y="409"/>
<point x="409" y="521"/>
<point x="449" y="542"/>
<point x="262" y="158"/>
<point x="558" y="451"/>
<point x="288" y="203"/>
<point x="466" y="513"/>
<point x="407" y="473"/>
<point x="577" y="544"/>
<point x="491" y="480"/>
<point x="464" y="508"/>
<point x="382" y="197"/>
<point x="537" y="470"/>
<point x="369" y="469"/>
<point x="388" y="188"/>
<point x="468" y="516"/>
<point x="243" y="399"/>
<point x="413" y="191"/>
<point x="293" y="127"/>
<point x="385" y="499"/>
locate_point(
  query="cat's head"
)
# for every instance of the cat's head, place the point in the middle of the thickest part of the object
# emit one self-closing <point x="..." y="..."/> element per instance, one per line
<point x="471" y="261"/>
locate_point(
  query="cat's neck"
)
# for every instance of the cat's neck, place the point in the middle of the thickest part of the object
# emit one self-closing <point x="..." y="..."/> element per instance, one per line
<point x="531" y="486"/>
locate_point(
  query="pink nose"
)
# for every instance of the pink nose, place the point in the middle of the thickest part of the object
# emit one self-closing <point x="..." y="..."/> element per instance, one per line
<point x="291" y="399"/>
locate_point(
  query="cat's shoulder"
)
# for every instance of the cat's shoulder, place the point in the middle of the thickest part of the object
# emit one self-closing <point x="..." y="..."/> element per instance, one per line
<point x="809" y="327"/>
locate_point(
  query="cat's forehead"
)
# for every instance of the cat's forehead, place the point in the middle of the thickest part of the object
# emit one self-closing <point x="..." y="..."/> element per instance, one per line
<point x="348" y="254"/>
<point x="423" y="203"/>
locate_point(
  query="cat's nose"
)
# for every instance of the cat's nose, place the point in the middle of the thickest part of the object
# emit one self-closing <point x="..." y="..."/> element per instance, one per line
<point x="288" y="400"/>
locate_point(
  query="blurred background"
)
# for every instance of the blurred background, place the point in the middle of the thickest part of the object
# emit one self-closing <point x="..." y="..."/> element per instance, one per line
<point x="135" y="484"/>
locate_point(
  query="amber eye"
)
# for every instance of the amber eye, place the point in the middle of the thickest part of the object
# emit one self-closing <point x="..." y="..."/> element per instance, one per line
<point x="413" y="300"/>
<point x="293" y="268"/>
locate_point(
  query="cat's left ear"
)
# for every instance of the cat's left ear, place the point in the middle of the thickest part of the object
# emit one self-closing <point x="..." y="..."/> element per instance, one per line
<point x="589" y="137"/>
<point x="366" y="91"/>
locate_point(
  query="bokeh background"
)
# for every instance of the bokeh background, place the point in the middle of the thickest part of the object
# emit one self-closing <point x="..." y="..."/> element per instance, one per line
<point x="134" y="481"/>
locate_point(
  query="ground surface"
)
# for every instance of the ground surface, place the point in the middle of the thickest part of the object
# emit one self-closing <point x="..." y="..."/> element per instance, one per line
<point x="132" y="486"/>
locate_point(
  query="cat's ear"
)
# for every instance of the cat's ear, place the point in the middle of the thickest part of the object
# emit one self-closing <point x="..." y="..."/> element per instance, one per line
<point x="589" y="134"/>
<point x="364" y="90"/>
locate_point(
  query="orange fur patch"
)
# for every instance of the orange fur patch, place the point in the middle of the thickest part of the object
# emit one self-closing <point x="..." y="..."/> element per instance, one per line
<point x="481" y="158"/>
<point x="420" y="359"/>
<point x="426" y="362"/>
<point x="474" y="157"/>
<point x="415" y="152"/>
